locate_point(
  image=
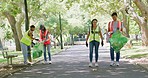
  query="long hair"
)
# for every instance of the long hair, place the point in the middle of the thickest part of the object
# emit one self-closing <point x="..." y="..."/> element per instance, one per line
<point x="41" y="26"/>
<point x="92" y="24"/>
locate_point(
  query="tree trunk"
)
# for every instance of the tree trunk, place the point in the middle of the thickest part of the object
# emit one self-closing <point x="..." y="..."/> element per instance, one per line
<point x="18" y="25"/>
<point x="126" y="23"/>
<point x="141" y="20"/>
<point x="144" y="31"/>
<point x="12" y="22"/>
<point x="142" y="7"/>
<point x="58" y="40"/>
<point x="72" y="39"/>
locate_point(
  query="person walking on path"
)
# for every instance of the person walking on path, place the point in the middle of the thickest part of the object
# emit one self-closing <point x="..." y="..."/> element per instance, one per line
<point x="44" y="36"/>
<point x="26" y="41"/>
<point x="94" y="40"/>
<point x="112" y="27"/>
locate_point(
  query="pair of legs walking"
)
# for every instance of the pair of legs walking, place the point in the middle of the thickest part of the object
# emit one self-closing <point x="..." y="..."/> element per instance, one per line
<point x="49" y="55"/>
<point x="25" y="52"/>
<point x="93" y="44"/>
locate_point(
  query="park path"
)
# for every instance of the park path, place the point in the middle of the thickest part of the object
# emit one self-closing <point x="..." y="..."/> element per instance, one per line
<point x="73" y="63"/>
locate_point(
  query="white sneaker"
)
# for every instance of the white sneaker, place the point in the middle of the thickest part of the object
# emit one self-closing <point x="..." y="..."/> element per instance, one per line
<point x="90" y="64"/>
<point x="96" y="64"/>
<point x="50" y="62"/>
<point x="112" y="63"/>
<point x="45" y="62"/>
<point x="30" y="63"/>
<point x="117" y="63"/>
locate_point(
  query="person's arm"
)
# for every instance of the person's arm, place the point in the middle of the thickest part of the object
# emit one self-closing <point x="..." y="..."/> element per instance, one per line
<point x="108" y="27"/>
<point x="47" y="36"/>
<point x="100" y="33"/>
<point x="87" y="39"/>
<point x="40" y="35"/>
<point x="87" y="36"/>
<point x="30" y="33"/>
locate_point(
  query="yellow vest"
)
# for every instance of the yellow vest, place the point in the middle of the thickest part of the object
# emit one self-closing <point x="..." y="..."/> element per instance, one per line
<point x="26" y="39"/>
<point x="95" y="36"/>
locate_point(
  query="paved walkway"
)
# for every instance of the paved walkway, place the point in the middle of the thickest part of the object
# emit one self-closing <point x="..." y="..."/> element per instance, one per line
<point x="73" y="63"/>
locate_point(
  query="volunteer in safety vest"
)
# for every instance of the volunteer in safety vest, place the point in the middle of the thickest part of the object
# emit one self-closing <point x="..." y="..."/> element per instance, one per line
<point x="94" y="36"/>
<point x="44" y="36"/>
<point x="112" y="27"/>
<point x="26" y="41"/>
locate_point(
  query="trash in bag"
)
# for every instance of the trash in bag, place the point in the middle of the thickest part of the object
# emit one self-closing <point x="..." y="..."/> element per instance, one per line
<point x="37" y="50"/>
<point x="117" y="41"/>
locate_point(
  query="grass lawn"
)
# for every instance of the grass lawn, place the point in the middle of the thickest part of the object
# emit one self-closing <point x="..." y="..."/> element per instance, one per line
<point x="137" y="51"/>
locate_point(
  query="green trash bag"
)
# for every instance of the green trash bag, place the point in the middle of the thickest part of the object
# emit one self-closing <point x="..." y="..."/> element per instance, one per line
<point x="37" y="50"/>
<point x="117" y="41"/>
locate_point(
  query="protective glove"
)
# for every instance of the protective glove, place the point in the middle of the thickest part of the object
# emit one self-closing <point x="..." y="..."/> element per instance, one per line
<point x="86" y="44"/>
<point x="102" y="43"/>
<point x="37" y="39"/>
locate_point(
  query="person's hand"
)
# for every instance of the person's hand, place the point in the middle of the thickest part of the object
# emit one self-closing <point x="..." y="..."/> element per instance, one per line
<point x="110" y="33"/>
<point x="102" y="43"/>
<point x="86" y="44"/>
<point x="42" y="41"/>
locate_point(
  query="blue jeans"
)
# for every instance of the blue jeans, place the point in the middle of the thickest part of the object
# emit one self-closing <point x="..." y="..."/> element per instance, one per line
<point x="112" y="54"/>
<point x="48" y="49"/>
<point x="24" y="52"/>
<point x="91" y="45"/>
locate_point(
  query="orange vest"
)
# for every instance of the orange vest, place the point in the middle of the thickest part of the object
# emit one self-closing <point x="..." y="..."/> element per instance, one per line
<point x="110" y="26"/>
<point x="43" y="37"/>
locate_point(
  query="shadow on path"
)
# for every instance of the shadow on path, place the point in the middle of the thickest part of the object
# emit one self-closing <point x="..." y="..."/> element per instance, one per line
<point x="73" y="63"/>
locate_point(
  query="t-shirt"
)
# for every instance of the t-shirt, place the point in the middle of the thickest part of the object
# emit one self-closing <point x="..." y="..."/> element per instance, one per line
<point x="115" y="25"/>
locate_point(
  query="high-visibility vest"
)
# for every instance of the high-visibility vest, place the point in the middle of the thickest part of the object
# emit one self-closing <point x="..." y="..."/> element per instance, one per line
<point x="111" y="26"/>
<point x="26" y="39"/>
<point x="44" y="36"/>
<point x="95" y="36"/>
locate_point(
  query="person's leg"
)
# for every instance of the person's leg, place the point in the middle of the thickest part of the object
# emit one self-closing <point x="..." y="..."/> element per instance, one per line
<point x="111" y="56"/>
<point x="25" y="52"/>
<point x="29" y="53"/>
<point x="96" y="53"/>
<point x="91" y="44"/>
<point x="49" y="55"/>
<point x="45" y="59"/>
<point x="111" y="53"/>
<point x="90" y="51"/>
<point x="96" y="50"/>
<point x="117" y="58"/>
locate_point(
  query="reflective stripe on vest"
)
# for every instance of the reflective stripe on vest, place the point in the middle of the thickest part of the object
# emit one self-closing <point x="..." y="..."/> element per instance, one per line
<point x="45" y="34"/>
<point x="26" y="39"/>
<point x="111" y="26"/>
<point x="94" y="36"/>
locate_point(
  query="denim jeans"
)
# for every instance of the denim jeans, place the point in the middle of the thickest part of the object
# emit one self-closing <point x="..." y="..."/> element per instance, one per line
<point x="112" y="54"/>
<point x="91" y="45"/>
<point x="24" y="52"/>
<point x="49" y="55"/>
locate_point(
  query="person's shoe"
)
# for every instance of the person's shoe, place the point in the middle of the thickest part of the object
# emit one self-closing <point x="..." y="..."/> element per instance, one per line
<point x="45" y="62"/>
<point x="50" y="62"/>
<point x="30" y="63"/>
<point x="90" y="64"/>
<point x="117" y="63"/>
<point x="112" y="63"/>
<point x="96" y="64"/>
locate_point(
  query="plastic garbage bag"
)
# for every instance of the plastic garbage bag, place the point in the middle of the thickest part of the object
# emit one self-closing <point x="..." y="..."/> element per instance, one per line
<point x="117" y="41"/>
<point x="37" y="50"/>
